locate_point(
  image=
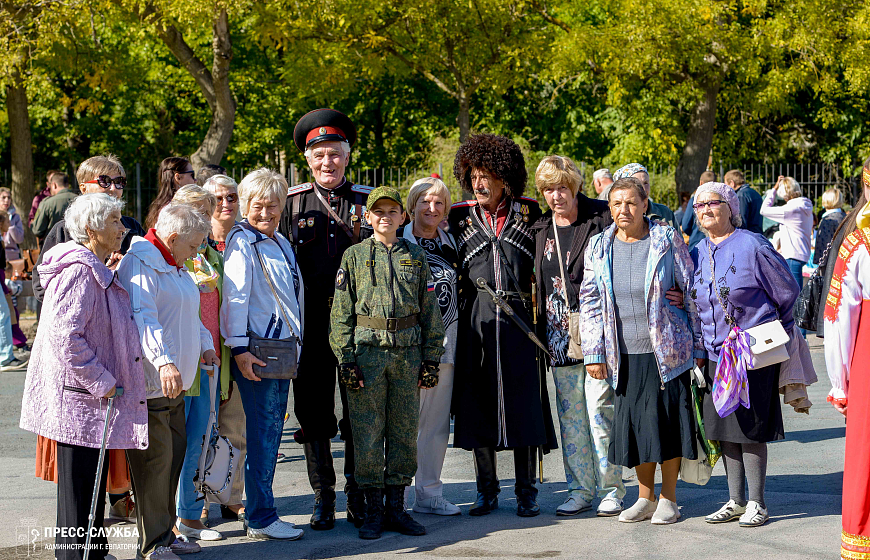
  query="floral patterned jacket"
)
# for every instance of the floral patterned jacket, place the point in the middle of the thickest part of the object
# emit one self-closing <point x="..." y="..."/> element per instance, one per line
<point x="671" y="328"/>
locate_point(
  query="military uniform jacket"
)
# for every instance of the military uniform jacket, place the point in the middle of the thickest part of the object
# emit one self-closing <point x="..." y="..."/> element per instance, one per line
<point x="499" y="398"/>
<point x="320" y="242"/>
<point x="385" y="283"/>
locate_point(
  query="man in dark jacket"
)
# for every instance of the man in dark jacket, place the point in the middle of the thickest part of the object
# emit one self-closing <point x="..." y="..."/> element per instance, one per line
<point x="750" y="201"/>
<point x="99" y="174"/>
<point x="51" y="209"/>
<point x="500" y="401"/>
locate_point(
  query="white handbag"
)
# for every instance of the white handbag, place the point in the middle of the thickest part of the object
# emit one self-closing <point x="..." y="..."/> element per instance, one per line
<point x="696" y="471"/>
<point x="768" y="343"/>
<point x="218" y="462"/>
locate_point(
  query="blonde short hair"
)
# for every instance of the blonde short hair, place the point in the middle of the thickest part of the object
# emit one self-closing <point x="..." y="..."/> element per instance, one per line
<point x="791" y="188"/>
<point x="197" y="197"/>
<point x="93" y="167"/>
<point x="261" y="183"/>
<point x="558" y="170"/>
<point x="423" y="187"/>
<point x="832" y="198"/>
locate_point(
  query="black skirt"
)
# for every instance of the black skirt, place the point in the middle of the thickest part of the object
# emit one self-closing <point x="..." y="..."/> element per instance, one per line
<point x="760" y="423"/>
<point x="651" y="425"/>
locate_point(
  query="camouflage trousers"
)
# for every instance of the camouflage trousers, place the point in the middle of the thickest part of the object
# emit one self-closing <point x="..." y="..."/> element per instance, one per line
<point x="384" y="414"/>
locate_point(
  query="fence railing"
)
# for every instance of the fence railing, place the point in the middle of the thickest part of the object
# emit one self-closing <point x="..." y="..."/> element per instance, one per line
<point x="814" y="178"/>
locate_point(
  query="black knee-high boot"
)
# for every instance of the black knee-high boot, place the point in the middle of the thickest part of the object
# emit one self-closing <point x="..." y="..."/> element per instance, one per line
<point x="321" y="474"/>
<point x="487" y="481"/>
<point x="524" y="470"/>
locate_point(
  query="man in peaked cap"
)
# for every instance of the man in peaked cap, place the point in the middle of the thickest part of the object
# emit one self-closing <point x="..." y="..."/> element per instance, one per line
<point x="322" y="219"/>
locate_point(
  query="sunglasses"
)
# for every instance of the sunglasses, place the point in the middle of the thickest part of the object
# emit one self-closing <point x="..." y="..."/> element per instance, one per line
<point x="192" y="173"/>
<point x="713" y="204"/>
<point x="230" y="199"/>
<point x="104" y="181"/>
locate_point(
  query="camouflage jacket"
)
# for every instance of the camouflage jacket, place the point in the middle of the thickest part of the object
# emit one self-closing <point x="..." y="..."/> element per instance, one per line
<point x="378" y="282"/>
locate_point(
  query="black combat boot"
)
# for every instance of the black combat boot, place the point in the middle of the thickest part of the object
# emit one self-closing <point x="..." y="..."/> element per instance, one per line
<point x="321" y="474"/>
<point x="524" y="469"/>
<point x="356" y="501"/>
<point x="374" y="521"/>
<point x="396" y="518"/>
<point x="487" y="482"/>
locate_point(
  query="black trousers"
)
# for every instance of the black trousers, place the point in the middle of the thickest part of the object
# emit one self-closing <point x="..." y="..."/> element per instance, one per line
<point x="76" y="474"/>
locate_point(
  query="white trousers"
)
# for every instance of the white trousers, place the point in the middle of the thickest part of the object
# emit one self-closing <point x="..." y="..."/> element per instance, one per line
<point x="433" y="433"/>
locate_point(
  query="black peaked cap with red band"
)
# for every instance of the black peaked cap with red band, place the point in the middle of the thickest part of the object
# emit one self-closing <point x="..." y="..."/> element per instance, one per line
<point x="323" y="125"/>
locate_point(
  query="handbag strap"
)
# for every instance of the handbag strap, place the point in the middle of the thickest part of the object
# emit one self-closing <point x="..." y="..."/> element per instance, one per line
<point x="561" y="264"/>
<point x="728" y="317"/>
<point x="212" y="425"/>
<point x="272" y="287"/>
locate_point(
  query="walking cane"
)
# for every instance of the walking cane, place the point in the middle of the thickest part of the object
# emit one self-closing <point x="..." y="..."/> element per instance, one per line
<point x="118" y="392"/>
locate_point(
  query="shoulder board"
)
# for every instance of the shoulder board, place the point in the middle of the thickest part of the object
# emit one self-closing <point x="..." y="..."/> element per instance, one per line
<point x="464" y="204"/>
<point x="296" y="189"/>
<point x="362" y="189"/>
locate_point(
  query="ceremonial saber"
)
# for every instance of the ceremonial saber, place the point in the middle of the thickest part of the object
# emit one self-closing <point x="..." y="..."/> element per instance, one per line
<point x="540" y="380"/>
<point x="505" y="306"/>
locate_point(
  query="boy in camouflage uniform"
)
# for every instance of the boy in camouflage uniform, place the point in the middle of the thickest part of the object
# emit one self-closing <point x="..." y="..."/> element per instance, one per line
<point x="387" y="334"/>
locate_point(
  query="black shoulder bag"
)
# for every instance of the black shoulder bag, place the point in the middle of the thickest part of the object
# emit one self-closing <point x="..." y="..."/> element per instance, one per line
<point x="811" y="299"/>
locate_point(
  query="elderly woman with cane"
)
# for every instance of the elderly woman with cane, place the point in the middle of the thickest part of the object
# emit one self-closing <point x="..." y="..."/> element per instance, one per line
<point x="166" y="307"/>
<point x="86" y="348"/>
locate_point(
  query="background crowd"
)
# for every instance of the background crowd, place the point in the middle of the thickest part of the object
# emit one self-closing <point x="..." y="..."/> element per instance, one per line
<point x="636" y="311"/>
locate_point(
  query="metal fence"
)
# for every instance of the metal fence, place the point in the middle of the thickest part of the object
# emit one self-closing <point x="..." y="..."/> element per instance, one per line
<point x="814" y="178"/>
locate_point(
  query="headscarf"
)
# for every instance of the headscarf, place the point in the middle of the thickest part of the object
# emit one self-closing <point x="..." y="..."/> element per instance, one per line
<point x="723" y="190"/>
<point x="628" y="171"/>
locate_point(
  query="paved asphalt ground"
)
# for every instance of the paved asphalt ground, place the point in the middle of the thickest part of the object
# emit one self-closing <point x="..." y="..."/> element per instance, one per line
<point x="804" y="486"/>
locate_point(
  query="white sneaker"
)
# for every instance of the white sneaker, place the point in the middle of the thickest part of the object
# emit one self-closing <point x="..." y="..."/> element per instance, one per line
<point x="667" y="512"/>
<point x="755" y="515"/>
<point x="573" y="505"/>
<point x="436" y="505"/>
<point x="161" y="553"/>
<point x="201" y="534"/>
<point x="729" y="512"/>
<point x="277" y="530"/>
<point x="642" y="510"/>
<point x="610" y="507"/>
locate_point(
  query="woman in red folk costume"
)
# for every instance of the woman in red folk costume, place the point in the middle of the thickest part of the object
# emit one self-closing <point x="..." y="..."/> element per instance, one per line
<point x="847" y="355"/>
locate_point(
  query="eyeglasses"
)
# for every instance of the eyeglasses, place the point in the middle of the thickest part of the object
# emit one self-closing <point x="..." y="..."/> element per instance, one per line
<point x="104" y="181"/>
<point x="229" y="199"/>
<point x="713" y="204"/>
<point x="192" y="173"/>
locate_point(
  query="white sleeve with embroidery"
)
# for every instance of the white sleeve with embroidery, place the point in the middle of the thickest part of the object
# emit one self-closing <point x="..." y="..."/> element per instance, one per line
<point x="841" y="320"/>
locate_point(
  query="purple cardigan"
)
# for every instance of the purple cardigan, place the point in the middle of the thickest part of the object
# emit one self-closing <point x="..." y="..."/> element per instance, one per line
<point x="754" y="281"/>
<point x="87" y="343"/>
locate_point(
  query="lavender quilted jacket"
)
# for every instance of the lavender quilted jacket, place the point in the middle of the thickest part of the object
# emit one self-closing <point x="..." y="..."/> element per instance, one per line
<point x="87" y="343"/>
<point x="669" y="264"/>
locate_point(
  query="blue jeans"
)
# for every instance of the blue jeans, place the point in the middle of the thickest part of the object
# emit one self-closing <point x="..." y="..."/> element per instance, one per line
<point x="196" y="412"/>
<point x="796" y="267"/>
<point x="6" y="343"/>
<point x="265" y="403"/>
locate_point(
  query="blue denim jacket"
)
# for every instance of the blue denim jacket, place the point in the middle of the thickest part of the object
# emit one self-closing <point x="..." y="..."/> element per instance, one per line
<point x="669" y="265"/>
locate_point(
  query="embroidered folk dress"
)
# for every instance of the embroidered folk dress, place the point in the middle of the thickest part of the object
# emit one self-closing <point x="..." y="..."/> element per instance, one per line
<point x="847" y="355"/>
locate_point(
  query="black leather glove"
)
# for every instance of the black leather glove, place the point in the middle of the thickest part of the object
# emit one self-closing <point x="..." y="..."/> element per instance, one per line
<point x="428" y="376"/>
<point x="350" y="375"/>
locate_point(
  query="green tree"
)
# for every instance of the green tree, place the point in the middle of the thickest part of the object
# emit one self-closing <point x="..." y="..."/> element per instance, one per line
<point x="461" y="46"/>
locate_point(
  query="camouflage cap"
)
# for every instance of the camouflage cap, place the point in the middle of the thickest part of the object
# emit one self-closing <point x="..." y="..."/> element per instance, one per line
<point x="384" y="192"/>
